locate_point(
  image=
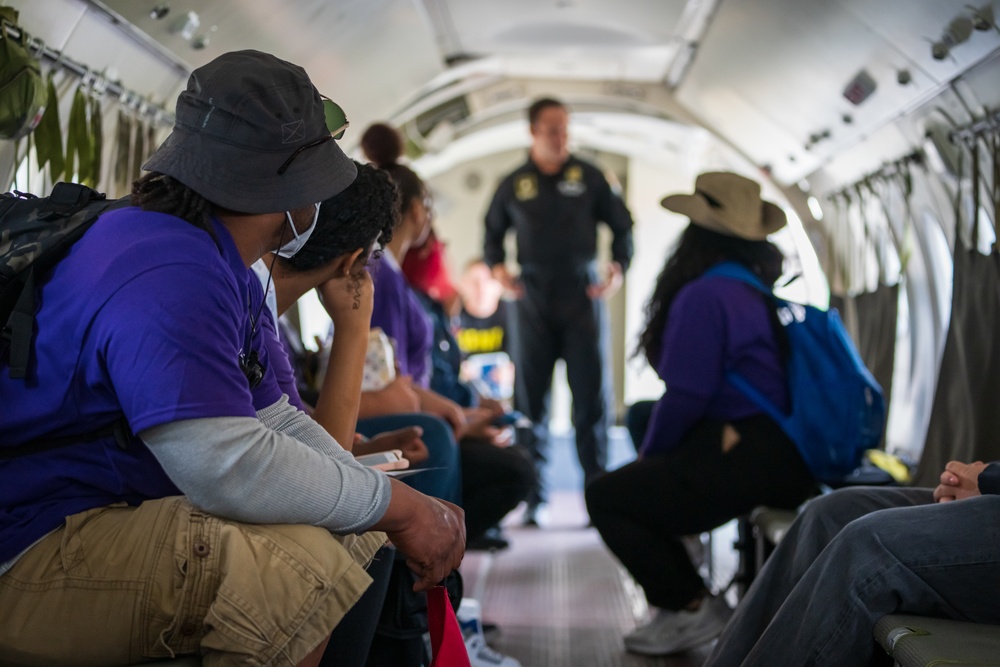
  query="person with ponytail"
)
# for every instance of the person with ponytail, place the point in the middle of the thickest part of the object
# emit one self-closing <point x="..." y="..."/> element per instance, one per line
<point x="709" y="453"/>
<point x="495" y="478"/>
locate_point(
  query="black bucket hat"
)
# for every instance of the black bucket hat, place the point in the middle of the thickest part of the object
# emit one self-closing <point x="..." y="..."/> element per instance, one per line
<point x="251" y="136"/>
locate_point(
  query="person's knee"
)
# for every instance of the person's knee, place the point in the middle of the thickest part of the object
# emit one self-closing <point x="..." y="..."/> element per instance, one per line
<point x="316" y="576"/>
<point x="521" y="470"/>
<point x="835" y="509"/>
<point x="856" y="544"/>
<point x="440" y="440"/>
<point x="825" y="517"/>
<point x="896" y="531"/>
<point x="296" y="562"/>
<point x="596" y="496"/>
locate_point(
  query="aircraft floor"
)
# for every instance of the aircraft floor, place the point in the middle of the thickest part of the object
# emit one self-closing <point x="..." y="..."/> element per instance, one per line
<point x="558" y="596"/>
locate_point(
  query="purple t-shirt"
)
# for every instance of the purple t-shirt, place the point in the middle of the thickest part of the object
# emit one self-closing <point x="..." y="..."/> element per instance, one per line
<point x="146" y="316"/>
<point x="715" y="325"/>
<point x="397" y="310"/>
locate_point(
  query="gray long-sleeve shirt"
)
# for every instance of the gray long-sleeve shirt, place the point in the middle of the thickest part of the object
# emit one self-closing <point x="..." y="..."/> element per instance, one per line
<point x="281" y="467"/>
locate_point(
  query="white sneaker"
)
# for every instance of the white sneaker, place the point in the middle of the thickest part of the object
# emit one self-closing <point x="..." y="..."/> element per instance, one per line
<point x="481" y="655"/>
<point x="676" y="631"/>
<point x="470" y="617"/>
<point x="470" y="620"/>
<point x="537" y="516"/>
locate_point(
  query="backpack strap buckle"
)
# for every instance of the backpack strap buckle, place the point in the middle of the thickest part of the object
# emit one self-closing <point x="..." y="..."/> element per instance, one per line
<point x="68" y="198"/>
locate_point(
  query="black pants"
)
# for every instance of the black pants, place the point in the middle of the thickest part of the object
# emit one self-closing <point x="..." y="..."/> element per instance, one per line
<point x="644" y="508"/>
<point x="555" y="319"/>
<point x="637" y="421"/>
<point x="352" y="638"/>
<point x="494" y="481"/>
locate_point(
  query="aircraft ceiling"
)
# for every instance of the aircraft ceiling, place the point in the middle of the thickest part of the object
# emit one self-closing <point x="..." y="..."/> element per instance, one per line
<point x="767" y="76"/>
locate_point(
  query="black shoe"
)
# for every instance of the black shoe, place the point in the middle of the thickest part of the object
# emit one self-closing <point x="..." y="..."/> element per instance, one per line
<point x="492" y="540"/>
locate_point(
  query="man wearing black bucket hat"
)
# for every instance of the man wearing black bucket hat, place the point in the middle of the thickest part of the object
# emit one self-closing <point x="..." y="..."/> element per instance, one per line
<point x="230" y="524"/>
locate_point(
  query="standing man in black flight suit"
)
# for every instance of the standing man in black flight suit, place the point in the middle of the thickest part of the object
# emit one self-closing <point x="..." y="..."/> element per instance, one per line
<point x="553" y="203"/>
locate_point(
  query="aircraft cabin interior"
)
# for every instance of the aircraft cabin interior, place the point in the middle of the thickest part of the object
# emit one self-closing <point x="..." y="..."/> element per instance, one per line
<point x="874" y="125"/>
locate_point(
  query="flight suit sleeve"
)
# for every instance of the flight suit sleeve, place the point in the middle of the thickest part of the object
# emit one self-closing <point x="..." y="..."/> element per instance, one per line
<point x="613" y="212"/>
<point x="497" y="223"/>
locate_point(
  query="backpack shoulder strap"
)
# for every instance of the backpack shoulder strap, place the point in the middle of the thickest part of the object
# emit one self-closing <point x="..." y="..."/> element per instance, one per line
<point x="66" y="199"/>
<point x="119" y="429"/>
<point x="737" y="271"/>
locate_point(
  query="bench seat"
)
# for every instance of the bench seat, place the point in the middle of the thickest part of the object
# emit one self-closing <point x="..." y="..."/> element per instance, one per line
<point x="920" y="641"/>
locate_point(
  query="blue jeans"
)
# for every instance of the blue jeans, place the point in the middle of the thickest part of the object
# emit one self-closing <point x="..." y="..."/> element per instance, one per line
<point x="858" y="554"/>
<point x="445" y="480"/>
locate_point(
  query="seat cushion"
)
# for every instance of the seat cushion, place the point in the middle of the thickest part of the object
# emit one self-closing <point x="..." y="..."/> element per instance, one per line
<point x="920" y="641"/>
<point x="773" y="523"/>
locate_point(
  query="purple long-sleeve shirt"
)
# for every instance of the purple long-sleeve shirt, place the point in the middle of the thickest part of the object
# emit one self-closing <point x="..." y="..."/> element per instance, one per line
<point x="715" y="324"/>
<point x="398" y="312"/>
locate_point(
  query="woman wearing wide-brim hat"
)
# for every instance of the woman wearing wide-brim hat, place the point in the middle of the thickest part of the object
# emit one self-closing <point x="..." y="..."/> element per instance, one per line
<point x="709" y="454"/>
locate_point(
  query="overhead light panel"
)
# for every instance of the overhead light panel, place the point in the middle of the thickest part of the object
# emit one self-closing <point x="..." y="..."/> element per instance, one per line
<point x="815" y="208"/>
<point x="186" y="26"/>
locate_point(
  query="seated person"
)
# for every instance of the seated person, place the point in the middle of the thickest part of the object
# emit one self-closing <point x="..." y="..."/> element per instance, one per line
<point x="426" y="269"/>
<point x="491" y="476"/>
<point x="857" y="554"/>
<point x="399" y="314"/>
<point x="153" y="320"/>
<point x="493" y="482"/>
<point x="352" y="221"/>
<point x="709" y="453"/>
<point x="447" y="357"/>
<point x="637" y="421"/>
<point x="482" y="332"/>
<point x="305" y="363"/>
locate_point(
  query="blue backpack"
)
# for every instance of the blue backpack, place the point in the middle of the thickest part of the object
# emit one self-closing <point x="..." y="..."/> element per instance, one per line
<point x="838" y="410"/>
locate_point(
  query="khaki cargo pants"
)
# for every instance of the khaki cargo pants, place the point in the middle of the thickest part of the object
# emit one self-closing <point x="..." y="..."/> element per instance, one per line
<point x="120" y="585"/>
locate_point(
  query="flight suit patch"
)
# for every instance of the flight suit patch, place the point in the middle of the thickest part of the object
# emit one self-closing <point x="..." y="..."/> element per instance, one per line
<point x="572" y="184"/>
<point x="525" y="187"/>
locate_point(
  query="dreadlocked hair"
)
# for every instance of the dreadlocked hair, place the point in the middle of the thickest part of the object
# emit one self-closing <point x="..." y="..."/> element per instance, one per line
<point x="165" y="194"/>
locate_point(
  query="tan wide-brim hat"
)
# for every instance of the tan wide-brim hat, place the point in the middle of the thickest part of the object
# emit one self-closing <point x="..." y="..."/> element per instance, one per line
<point x="730" y="204"/>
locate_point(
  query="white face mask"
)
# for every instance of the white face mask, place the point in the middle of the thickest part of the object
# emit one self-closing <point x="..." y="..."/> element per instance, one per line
<point x="298" y="240"/>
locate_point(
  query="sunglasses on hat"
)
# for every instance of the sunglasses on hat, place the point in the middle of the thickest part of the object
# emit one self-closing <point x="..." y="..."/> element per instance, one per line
<point x="336" y="123"/>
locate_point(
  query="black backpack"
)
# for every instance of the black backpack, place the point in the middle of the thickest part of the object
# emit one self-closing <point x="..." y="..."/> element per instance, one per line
<point x="35" y="233"/>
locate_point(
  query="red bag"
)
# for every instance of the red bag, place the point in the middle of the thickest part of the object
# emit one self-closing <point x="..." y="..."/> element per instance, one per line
<point x="447" y="642"/>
